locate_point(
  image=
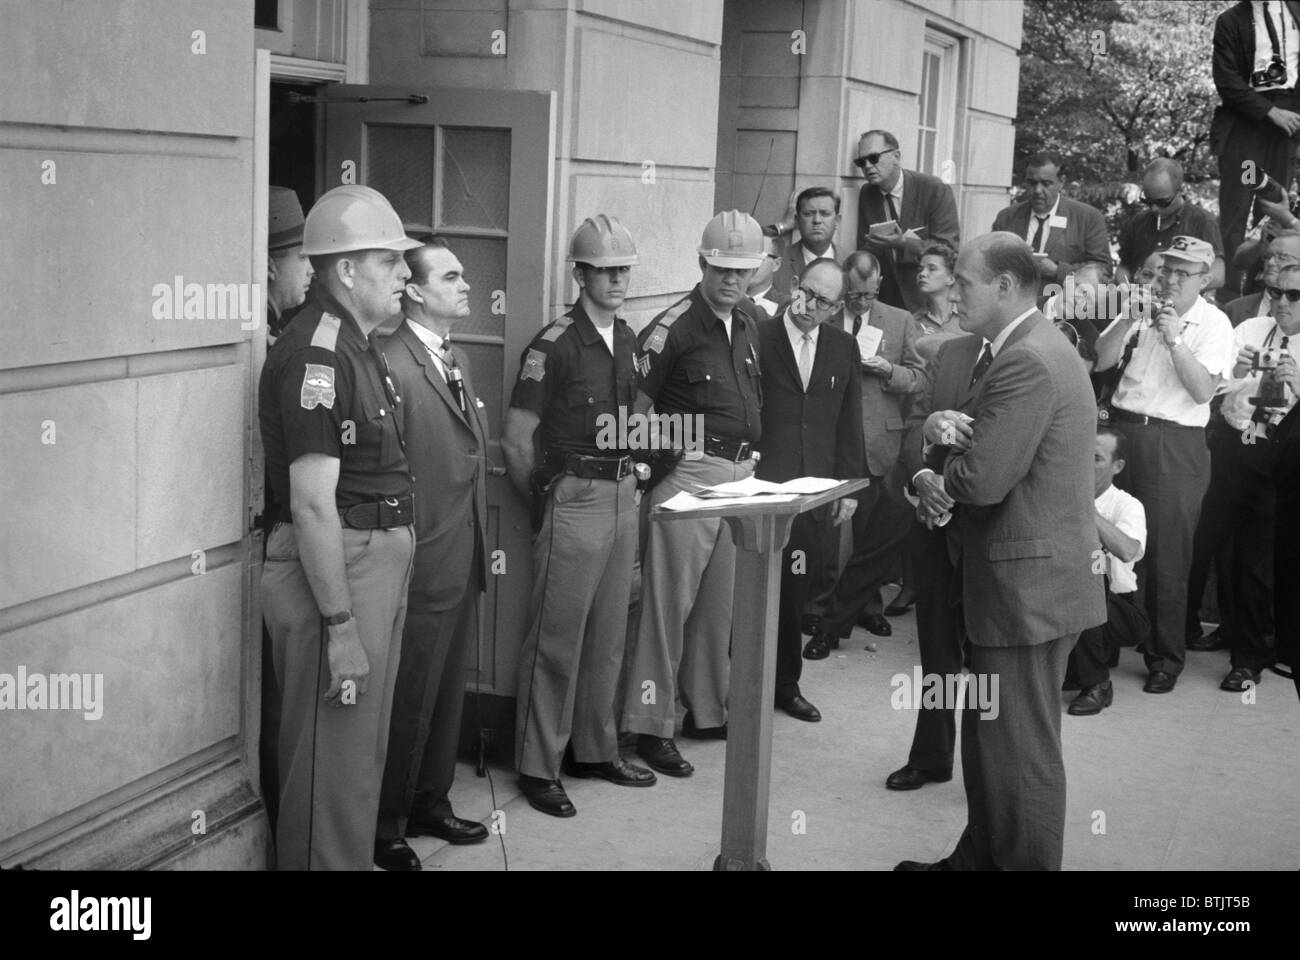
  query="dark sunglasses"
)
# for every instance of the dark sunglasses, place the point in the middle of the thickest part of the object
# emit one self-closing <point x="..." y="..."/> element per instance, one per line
<point x="1277" y="293"/>
<point x="870" y="158"/>
<point x="1159" y="204"/>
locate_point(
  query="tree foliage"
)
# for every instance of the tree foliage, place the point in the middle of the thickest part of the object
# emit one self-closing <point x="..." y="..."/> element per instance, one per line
<point x="1112" y="84"/>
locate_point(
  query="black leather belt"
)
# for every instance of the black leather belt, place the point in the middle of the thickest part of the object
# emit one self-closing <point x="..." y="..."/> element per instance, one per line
<point x="1128" y="416"/>
<point x="597" y="468"/>
<point x="381" y="514"/>
<point x="734" y="450"/>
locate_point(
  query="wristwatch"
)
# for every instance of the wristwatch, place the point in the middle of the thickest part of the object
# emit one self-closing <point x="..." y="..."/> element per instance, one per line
<point x="336" y="619"/>
<point x="1177" y="340"/>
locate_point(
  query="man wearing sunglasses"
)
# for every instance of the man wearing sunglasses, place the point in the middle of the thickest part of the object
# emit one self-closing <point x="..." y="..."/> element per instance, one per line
<point x="1243" y="457"/>
<point x="1170" y="367"/>
<point x="1167" y="215"/>
<point x="909" y="210"/>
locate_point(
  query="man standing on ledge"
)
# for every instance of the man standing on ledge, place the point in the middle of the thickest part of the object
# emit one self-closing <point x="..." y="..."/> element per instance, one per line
<point x="699" y="360"/>
<point x="339" y="558"/>
<point x="921" y="208"/>
<point x="1022" y="473"/>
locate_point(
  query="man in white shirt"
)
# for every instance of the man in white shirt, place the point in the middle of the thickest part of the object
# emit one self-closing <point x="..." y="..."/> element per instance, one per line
<point x="817" y="217"/>
<point x="761" y="289"/>
<point x="1171" y="366"/>
<point x="1122" y="527"/>
<point x="1254" y="403"/>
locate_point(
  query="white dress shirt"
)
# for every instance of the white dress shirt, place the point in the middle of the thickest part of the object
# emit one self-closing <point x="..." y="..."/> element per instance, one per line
<point x="809" y="256"/>
<point x="1049" y="217"/>
<point x="1126" y="512"/>
<point x="432" y="342"/>
<point x="1237" y="408"/>
<point x="1150" y="384"/>
<point x="796" y="338"/>
<point x="1001" y="338"/>
<point x="1288" y="36"/>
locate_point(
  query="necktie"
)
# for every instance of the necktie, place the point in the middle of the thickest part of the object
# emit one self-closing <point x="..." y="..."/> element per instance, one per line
<point x="1037" y="243"/>
<point x="451" y="373"/>
<point x="805" y="360"/>
<point x="982" y="364"/>
<point x="893" y="210"/>
<point x="857" y="324"/>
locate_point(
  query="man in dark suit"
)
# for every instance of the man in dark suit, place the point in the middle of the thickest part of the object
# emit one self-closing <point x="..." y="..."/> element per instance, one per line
<point x="891" y="370"/>
<point x="1254" y="66"/>
<point x="921" y="206"/>
<point x="446" y="443"/>
<point x="812" y="427"/>
<point x="1062" y="233"/>
<point x="940" y="635"/>
<point x="817" y="217"/>
<point x="1021" y="478"/>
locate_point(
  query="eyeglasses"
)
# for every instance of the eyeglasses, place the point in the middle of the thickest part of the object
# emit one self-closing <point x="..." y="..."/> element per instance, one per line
<point x="1181" y="276"/>
<point x="1277" y="293"/>
<point x="817" y="302"/>
<point x="1159" y="204"/>
<point x="871" y="158"/>
<point x="862" y="295"/>
<point x="1282" y="258"/>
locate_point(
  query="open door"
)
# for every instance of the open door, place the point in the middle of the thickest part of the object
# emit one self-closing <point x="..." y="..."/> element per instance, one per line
<point x="477" y="166"/>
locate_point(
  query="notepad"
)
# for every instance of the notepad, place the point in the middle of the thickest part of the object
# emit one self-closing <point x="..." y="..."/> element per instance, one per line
<point x="753" y="487"/>
<point x="869" y="338"/>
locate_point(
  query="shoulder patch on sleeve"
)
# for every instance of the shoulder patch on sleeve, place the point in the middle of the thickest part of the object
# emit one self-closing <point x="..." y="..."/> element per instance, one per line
<point x="534" y="367"/>
<point x="317" y="387"/>
<point x="554" y="331"/>
<point x="670" y="316"/>
<point x="659" y="335"/>
<point x="327" y="332"/>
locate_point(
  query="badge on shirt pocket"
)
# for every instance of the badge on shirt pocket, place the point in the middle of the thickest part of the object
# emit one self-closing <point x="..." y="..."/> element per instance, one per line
<point x="317" y="387"/>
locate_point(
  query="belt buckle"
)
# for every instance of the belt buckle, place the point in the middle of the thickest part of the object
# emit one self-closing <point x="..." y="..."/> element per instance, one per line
<point x="624" y="467"/>
<point x="743" y="452"/>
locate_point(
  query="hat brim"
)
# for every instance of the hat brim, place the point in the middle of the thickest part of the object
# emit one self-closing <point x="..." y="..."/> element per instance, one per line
<point x="285" y="238"/>
<point x="1175" y="255"/>
<point x="401" y="243"/>
<point x="732" y="263"/>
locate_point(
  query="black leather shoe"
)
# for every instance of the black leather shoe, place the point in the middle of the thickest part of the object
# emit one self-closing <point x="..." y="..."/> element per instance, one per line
<point x="452" y="829"/>
<point x="691" y="732"/>
<point x="395" y="855"/>
<point x="918" y="865"/>
<point x="820" y="646"/>
<point x="1092" y="700"/>
<point x="1238" y="677"/>
<point x="910" y="778"/>
<point x="810" y="623"/>
<point x="617" y="771"/>
<point x="1212" y="641"/>
<point x="547" y="796"/>
<point x="661" y="754"/>
<point x="1160" y="682"/>
<point x="901" y="603"/>
<point x="799" y="708"/>
<point x="877" y="624"/>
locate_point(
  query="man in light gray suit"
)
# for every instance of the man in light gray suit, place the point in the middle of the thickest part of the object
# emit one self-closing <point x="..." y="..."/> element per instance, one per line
<point x="1018" y="481"/>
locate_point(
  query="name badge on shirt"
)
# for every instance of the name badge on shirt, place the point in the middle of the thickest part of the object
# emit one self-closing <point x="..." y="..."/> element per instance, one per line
<point x="1057" y="222"/>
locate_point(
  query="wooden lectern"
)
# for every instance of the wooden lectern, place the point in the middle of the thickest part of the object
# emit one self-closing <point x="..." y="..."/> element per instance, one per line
<point x="760" y="530"/>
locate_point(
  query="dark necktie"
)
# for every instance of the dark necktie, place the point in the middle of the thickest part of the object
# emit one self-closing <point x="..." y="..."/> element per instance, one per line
<point x="893" y="215"/>
<point x="1037" y="243"/>
<point x="454" y="380"/>
<point x="857" y="324"/>
<point x="982" y="364"/>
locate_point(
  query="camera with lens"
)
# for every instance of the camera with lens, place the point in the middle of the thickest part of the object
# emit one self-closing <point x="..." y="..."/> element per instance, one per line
<point x="1275" y="72"/>
<point x="1265" y="359"/>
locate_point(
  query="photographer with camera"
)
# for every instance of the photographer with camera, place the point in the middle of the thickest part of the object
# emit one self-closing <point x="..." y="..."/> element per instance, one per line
<point x="1170" y="365"/>
<point x="1262" y="390"/>
<point x="1255" y="65"/>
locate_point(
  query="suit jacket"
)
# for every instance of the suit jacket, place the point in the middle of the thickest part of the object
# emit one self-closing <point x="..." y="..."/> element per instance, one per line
<point x="947" y="387"/>
<point x="883" y="400"/>
<point x="1026" y="520"/>
<point x="448" y="456"/>
<point x="1232" y="63"/>
<point x="927" y="202"/>
<point x="792" y="265"/>
<point x="1243" y="308"/>
<point x="1083" y="239"/>
<point x="817" y="433"/>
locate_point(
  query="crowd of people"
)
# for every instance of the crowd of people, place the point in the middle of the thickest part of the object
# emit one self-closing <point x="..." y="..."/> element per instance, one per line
<point x="1060" y="446"/>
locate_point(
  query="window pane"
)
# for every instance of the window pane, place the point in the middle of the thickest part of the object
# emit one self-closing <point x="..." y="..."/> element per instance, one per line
<point x="927" y="155"/>
<point x="400" y="168"/>
<point x="484" y="260"/>
<point x="486" y="362"/>
<point x="475" y="178"/>
<point x="932" y="91"/>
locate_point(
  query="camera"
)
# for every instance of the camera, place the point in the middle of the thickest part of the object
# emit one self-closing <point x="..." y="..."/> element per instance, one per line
<point x="1275" y="72"/>
<point x="1270" y="190"/>
<point x="1265" y="359"/>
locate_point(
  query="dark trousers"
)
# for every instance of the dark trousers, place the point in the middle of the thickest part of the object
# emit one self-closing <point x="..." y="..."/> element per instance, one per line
<point x="1286" y="548"/>
<point x="1268" y="148"/>
<point x="1253" y="513"/>
<point x="1211" y="543"/>
<point x="880" y="525"/>
<point x="940" y="637"/>
<point x="1012" y="764"/>
<point x="810" y="537"/>
<point x="428" y="700"/>
<point x="1168" y="471"/>
<point x="1127" y="625"/>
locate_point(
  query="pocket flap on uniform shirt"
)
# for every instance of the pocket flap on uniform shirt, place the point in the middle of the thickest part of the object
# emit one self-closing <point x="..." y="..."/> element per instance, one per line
<point x="698" y="371"/>
<point x="1020" y="549"/>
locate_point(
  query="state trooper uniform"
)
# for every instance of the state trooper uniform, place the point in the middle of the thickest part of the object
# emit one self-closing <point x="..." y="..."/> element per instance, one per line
<point x="691" y="365"/>
<point x="323" y="390"/>
<point x="583" y="554"/>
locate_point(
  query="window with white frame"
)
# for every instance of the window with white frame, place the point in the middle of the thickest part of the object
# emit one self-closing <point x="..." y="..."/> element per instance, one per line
<point x="936" y="105"/>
